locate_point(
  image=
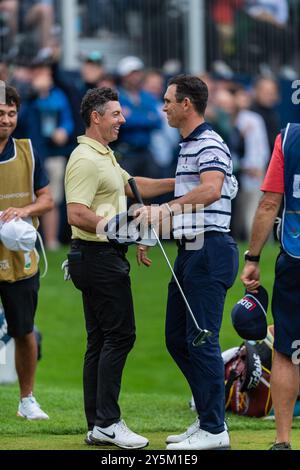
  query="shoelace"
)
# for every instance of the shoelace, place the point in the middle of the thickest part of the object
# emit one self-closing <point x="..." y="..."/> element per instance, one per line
<point x="125" y="428"/>
<point x="193" y="426"/>
<point x="33" y="402"/>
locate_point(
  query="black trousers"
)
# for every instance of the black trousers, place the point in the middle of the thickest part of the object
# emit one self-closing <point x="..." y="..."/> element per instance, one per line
<point x="101" y="272"/>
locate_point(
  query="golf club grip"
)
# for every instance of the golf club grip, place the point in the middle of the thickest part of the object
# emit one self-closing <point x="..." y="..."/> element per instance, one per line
<point x="135" y="190"/>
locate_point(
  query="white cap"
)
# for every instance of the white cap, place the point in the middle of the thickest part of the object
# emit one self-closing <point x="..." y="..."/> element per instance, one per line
<point x="18" y="235"/>
<point x="129" y="64"/>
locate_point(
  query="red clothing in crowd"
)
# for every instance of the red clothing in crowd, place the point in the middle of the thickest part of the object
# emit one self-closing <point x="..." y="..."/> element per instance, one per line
<point x="224" y="10"/>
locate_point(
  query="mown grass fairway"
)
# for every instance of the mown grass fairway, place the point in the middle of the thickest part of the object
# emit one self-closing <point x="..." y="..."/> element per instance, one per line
<point x="154" y="396"/>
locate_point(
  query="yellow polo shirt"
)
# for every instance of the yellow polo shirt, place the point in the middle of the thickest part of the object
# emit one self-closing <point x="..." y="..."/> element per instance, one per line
<point x="95" y="179"/>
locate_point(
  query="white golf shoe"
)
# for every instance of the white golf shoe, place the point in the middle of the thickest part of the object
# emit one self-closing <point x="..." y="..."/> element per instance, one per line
<point x="203" y="440"/>
<point x="88" y="440"/>
<point x="119" y="435"/>
<point x="195" y="426"/>
<point x="30" y="409"/>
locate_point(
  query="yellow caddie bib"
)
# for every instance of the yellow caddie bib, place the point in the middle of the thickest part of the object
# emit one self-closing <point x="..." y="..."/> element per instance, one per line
<point x="17" y="190"/>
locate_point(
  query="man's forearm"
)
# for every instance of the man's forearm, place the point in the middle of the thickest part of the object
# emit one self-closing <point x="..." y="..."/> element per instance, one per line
<point x="83" y="218"/>
<point x="263" y="223"/>
<point x="149" y="187"/>
<point x="40" y="206"/>
<point x="203" y="194"/>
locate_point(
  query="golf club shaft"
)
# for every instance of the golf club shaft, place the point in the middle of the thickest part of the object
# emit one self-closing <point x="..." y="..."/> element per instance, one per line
<point x="176" y="280"/>
<point x="138" y="197"/>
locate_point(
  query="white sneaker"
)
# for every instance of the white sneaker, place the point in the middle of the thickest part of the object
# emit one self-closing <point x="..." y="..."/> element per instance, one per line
<point x="203" y="440"/>
<point x="181" y="437"/>
<point x="30" y="409"/>
<point x="119" y="435"/>
<point x="190" y="430"/>
<point x="89" y="441"/>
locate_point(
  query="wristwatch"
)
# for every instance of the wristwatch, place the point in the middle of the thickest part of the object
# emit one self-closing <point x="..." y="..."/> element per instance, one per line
<point x="252" y="258"/>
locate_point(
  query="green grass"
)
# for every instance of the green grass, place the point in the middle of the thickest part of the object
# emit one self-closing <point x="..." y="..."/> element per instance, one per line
<point x="154" y="397"/>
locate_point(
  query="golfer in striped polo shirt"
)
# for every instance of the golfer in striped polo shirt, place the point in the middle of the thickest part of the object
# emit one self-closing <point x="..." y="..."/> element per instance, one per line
<point x="207" y="261"/>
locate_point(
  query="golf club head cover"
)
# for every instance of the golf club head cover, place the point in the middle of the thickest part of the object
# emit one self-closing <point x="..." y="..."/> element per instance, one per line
<point x="122" y="229"/>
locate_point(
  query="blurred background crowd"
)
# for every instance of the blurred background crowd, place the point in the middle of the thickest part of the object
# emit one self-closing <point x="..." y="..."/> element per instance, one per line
<point x="245" y="50"/>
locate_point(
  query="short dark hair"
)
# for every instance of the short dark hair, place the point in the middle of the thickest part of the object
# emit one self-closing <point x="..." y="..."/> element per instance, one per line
<point x="95" y="100"/>
<point x="192" y="87"/>
<point x="12" y="97"/>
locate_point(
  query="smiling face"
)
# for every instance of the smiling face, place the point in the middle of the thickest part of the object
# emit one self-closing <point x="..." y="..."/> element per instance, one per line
<point x="172" y="108"/>
<point x="8" y="120"/>
<point x="108" y="125"/>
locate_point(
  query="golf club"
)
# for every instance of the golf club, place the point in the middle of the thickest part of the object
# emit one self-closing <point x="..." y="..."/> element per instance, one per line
<point x="203" y="334"/>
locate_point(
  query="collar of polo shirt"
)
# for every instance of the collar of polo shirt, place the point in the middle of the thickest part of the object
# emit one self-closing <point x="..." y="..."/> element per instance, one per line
<point x="83" y="139"/>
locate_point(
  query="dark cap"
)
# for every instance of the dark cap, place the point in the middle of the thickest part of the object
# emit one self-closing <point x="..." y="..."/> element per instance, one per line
<point x="43" y="58"/>
<point x="249" y="315"/>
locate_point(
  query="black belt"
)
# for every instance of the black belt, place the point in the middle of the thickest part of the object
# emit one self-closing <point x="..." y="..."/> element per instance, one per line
<point x="77" y="242"/>
<point x="181" y="242"/>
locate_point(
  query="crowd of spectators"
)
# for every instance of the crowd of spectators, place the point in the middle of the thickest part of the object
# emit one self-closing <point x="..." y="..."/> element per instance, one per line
<point x="245" y="115"/>
<point x="254" y="35"/>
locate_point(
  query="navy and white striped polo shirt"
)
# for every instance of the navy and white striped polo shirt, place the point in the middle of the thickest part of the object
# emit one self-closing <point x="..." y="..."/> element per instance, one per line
<point x="203" y="150"/>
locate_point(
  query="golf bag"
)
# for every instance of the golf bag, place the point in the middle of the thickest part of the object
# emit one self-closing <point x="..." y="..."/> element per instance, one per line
<point x="247" y="378"/>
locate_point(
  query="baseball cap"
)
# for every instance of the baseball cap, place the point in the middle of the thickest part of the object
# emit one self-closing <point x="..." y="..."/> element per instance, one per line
<point x="95" y="57"/>
<point x="249" y="315"/>
<point x="18" y="235"/>
<point x="129" y="64"/>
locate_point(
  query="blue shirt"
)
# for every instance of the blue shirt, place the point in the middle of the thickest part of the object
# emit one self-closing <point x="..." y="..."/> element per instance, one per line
<point x="51" y="111"/>
<point x="40" y="179"/>
<point x="142" y="117"/>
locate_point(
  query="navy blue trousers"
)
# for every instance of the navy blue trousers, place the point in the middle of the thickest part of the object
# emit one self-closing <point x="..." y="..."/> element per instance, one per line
<point x="205" y="276"/>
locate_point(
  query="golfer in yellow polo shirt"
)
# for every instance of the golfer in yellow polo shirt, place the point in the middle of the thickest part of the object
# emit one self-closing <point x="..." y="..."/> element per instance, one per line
<point x="96" y="189"/>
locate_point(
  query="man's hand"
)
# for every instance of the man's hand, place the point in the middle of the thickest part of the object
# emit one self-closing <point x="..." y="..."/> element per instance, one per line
<point x="13" y="213"/>
<point x="151" y="215"/>
<point x="250" y="276"/>
<point x="101" y="225"/>
<point x="141" y="255"/>
<point x="60" y="136"/>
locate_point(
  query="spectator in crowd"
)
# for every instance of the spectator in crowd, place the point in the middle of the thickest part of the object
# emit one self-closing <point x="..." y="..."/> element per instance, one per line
<point x="253" y="162"/>
<point x="25" y="194"/>
<point x="110" y="21"/>
<point x="142" y="118"/>
<point x="268" y="32"/>
<point x="247" y="137"/>
<point x="107" y="81"/>
<point x="37" y="14"/>
<point x="92" y="71"/>
<point x="164" y="141"/>
<point x="275" y="12"/>
<point x="28" y="15"/>
<point x="55" y="128"/>
<point x="266" y="97"/>
<point x="223" y="15"/>
<point x="8" y="11"/>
